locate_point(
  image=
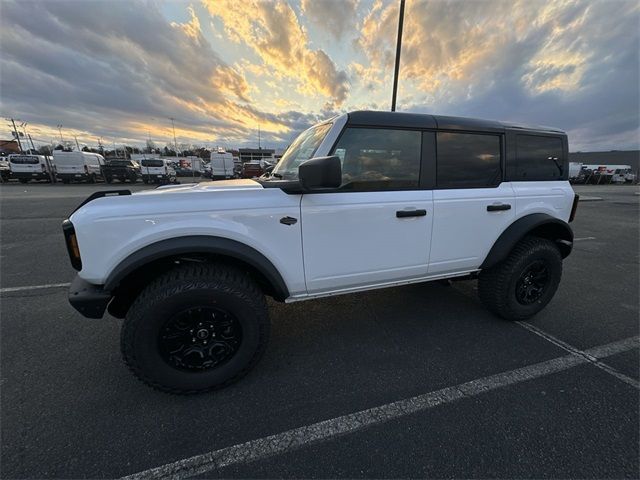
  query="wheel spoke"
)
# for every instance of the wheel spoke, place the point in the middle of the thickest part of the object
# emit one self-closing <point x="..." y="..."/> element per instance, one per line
<point x="200" y="338"/>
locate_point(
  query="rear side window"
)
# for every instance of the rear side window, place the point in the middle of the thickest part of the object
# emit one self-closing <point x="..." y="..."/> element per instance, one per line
<point x="379" y="159"/>
<point x="539" y="158"/>
<point x="468" y="160"/>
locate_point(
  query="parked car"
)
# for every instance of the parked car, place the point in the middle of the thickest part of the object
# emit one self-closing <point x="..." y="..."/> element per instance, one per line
<point x="122" y="170"/>
<point x="378" y="199"/>
<point x="156" y="170"/>
<point x="27" y="167"/>
<point x="5" y="169"/>
<point x="252" y="169"/>
<point x="78" y="166"/>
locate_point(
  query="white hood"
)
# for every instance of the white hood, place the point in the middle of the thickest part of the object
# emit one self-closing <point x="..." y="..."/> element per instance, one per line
<point x="240" y="184"/>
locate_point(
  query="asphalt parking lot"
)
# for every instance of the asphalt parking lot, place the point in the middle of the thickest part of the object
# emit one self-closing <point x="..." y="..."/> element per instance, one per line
<point x="415" y="381"/>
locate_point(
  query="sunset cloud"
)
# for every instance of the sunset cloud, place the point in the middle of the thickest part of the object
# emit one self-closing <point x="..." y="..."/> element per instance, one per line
<point x="221" y="68"/>
<point x="273" y="31"/>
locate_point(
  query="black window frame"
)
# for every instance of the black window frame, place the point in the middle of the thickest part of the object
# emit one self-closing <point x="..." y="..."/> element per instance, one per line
<point x="501" y="163"/>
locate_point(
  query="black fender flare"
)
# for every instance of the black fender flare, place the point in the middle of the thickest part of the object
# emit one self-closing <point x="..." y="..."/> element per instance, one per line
<point x="541" y="223"/>
<point x="203" y="244"/>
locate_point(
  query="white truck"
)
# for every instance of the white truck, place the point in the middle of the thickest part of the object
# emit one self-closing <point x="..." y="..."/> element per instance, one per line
<point x="605" y="173"/>
<point x="27" y="167"/>
<point x="362" y="201"/>
<point x="78" y="166"/>
<point x="222" y="165"/>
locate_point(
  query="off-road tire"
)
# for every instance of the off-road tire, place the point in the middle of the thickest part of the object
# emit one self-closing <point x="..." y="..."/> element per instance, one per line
<point x="188" y="286"/>
<point x="497" y="285"/>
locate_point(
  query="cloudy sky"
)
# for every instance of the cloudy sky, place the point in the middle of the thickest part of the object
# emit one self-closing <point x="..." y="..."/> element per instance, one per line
<point x="119" y="69"/>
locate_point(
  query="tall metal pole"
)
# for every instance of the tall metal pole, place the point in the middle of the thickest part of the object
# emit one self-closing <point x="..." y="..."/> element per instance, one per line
<point x="398" y="49"/>
<point x="15" y="130"/>
<point x="175" y="142"/>
<point x="60" y="130"/>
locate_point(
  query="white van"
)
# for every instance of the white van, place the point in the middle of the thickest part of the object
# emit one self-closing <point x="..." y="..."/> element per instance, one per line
<point x="78" y="166"/>
<point x="221" y="165"/>
<point x="28" y="167"/>
<point x="156" y="170"/>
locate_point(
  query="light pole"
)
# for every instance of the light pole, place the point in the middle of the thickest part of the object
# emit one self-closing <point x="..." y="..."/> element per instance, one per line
<point x="398" y="49"/>
<point x="60" y="130"/>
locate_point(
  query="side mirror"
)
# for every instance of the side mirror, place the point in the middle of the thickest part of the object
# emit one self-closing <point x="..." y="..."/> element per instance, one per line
<point x="320" y="173"/>
<point x="269" y="169"/>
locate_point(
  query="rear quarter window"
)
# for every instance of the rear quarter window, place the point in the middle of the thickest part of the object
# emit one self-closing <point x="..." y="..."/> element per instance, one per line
<point x="539" y="158"/>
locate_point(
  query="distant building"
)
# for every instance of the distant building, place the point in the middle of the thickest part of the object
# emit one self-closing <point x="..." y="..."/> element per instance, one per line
<point x="248" y="154"/>
<point x="7" y="147"/>
<point x="614" y="157"/>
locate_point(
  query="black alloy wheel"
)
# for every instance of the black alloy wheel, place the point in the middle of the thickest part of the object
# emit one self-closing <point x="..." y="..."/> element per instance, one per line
<point x="200" y="338"/>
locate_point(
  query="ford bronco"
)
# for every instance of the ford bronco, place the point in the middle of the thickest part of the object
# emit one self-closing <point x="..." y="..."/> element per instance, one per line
<point x="362" y="201"/>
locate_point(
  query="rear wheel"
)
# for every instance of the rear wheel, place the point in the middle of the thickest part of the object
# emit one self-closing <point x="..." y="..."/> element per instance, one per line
<point x="108" y="179"/>
<point x="197" y="328"/>
<point x="524" y="283"/>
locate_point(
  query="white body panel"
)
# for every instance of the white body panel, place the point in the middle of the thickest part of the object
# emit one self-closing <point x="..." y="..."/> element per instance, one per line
<point x="221" y="165"/>
<point x="463" y="230"/>
<point x="77" y="164"/>
<point x="553" y="198"/>
<point x="353" y="239"/>
<point x="239" y="210"/>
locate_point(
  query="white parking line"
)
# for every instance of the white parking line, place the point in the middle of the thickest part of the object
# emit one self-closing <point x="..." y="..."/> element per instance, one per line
<point x="581" y="239"/>
<point x="33" y="287"/>
<point x="328" y="429"/>
<point x="574" y="351"/>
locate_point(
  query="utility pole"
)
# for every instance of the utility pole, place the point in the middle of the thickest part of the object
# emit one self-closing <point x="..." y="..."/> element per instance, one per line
<point x="23" y="125"/>
<point x="60" y="130"/>
<point x="77" y="144"/>
<point x="15" y="131"/>
<point x="259" y="147"/>
<point x="175" y="142"/>
<point x="398" y="49"/>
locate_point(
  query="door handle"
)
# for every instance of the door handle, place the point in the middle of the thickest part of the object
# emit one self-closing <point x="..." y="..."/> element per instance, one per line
<point x="498" y="207"/>
<point x="410" y="213"/>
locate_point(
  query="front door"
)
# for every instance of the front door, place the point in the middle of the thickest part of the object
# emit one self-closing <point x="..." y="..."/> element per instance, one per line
<point x="376" y="228"/>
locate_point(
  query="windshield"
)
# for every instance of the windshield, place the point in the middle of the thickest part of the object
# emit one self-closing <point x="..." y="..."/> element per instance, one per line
<point x="152" y="163"/>
<point x="303" y="148"/>
<point x="24" y="159"/>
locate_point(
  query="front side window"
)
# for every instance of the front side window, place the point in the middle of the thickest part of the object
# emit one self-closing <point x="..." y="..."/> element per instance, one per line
<point x="379" y="159"/>
<point x="468" y="160"/>
<point x="539" y="158"/>
<point x="303" y="148"/>
<point x="152" y="163"/>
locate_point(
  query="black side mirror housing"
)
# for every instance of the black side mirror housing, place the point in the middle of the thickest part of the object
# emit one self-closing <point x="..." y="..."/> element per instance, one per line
<point x="320" y="173"/>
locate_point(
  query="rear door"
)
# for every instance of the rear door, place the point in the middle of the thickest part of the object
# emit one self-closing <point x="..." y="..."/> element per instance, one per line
<point x="376" y="228"/>
<point x="472" y="205"/>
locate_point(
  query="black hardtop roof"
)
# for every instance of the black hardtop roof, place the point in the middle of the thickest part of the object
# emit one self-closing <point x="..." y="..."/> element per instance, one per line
<point x="424" y="120"/>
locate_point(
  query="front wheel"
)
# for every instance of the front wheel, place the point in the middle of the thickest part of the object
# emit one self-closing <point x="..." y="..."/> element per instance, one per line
<point x="197" y="328"/>
<point x="525" y="282"/>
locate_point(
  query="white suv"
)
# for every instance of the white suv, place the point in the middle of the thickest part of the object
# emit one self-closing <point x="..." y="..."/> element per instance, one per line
<point x="362" y="201"/>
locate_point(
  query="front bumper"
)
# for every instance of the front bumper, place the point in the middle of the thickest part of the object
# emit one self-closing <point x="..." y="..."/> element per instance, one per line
<point x="30" y="175"/>
<point x="88" y="299"/>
